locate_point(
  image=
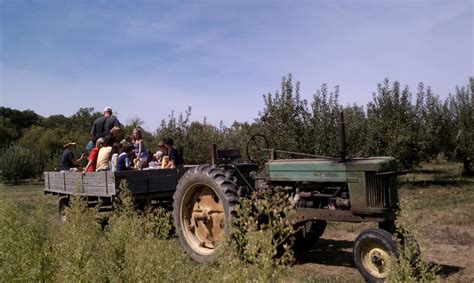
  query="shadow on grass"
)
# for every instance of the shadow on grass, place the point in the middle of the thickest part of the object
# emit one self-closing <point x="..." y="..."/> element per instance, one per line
<point x="428" y="171"/>
<point x="447" y="270"/>
<point x="417" y="184"/>
<point x="335" y="253"/>
<point x="330" y="252"/>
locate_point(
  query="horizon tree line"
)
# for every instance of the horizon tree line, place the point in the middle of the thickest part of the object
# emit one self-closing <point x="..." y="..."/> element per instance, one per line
<point x="413" y="127"/>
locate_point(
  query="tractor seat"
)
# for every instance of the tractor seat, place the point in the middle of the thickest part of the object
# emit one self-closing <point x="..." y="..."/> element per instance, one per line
<point x="228" y="155"/>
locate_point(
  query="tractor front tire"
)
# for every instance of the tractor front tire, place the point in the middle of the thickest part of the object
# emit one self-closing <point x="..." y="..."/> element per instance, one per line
<point x="374" y="252"/>
<point x="203" y="208"/>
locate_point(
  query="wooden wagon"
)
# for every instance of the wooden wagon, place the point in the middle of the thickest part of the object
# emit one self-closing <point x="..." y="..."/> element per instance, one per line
<point x="144" y="185"/>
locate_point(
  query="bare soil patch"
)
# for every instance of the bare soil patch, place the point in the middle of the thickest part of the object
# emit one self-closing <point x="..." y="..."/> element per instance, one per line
<point x="441" y="205"/>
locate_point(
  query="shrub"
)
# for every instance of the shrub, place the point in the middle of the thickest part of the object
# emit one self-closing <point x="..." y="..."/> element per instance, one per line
<point x="262" y="235"/>
<point x="79" y="245"/>
<point x="410" y="267"/>
<point x="17" y="162"/>
<point x="136" y="246"/>
<point x="24" y="249"/>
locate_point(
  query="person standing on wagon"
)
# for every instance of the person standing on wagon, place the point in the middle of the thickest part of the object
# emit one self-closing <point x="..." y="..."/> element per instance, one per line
<point x="104" y="124"/>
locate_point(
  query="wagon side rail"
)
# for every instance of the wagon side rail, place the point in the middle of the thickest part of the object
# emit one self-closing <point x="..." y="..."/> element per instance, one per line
<point x="96" y="184"/>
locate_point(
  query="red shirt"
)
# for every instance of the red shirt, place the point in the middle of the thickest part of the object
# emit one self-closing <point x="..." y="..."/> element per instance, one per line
<point x="93" y="157"/>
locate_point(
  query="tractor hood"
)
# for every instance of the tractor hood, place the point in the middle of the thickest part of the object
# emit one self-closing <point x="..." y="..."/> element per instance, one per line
<point x="326" y="170"/>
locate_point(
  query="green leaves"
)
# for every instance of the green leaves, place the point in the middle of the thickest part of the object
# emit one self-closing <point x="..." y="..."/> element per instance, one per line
<point x="17" y="162"/>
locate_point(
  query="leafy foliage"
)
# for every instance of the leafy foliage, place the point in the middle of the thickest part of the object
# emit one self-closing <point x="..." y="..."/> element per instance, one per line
<point x="356" y="130"/>
<point x="285" y="118"/>
<point x="24" y="248"/>
<point x="462" y="113"/>
<point x="413" y="127"/>
<point x="134" y="246"/>
<point x="325" y="107"/>
<point x="391" y="124"/>
<point x="262" y="228"/>
<point x="17" y="120"/>
<point x="17" y="162"/>
<point x="409" y="266"/>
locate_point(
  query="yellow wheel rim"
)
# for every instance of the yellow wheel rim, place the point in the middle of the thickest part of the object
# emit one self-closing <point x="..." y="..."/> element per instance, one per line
<point x="376" y="259"/>
<point x="202" y="218"/>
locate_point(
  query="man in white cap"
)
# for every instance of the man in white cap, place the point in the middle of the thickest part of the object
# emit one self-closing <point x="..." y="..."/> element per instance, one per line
<point x="104" y="124"/>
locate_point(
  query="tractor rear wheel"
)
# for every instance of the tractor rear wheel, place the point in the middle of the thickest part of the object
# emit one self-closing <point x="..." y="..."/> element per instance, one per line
<point x="306" y="236"/>
<point x="374" y="251"/>
<point x="203" y="207"/>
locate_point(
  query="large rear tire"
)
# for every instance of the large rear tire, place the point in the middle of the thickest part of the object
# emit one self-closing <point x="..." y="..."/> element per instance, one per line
<point x="203" y="208"/>
<point x="306" y="236"/>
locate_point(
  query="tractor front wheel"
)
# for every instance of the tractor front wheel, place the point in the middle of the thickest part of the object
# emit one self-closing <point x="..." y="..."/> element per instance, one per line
<point x="374" y="251"/>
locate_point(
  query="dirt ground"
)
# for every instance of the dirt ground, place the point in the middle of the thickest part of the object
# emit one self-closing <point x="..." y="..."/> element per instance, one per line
<point x="440" y="206"/>
<point x="332" y="258"/>
<point x="436" y="200"/>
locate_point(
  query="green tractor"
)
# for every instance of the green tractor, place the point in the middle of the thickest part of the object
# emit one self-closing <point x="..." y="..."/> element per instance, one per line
<point x="320" y="188"/>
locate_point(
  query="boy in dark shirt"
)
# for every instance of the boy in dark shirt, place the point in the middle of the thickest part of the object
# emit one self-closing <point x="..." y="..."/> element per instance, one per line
<point x="173" y="153"/>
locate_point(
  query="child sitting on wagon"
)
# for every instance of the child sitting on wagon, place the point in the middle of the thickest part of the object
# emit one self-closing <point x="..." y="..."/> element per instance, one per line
<point x="124" y="162"/>
<point x="92" y="163"/>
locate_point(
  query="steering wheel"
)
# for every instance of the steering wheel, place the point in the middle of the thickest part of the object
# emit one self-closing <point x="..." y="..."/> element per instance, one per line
<point x="257" y="148"/>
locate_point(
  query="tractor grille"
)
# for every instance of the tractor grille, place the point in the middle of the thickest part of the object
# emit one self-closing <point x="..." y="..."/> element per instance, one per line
<point x="381" y="191"/>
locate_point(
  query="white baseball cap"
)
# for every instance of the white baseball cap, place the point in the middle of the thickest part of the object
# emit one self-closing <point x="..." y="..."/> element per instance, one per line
<point x="108" y="109"/>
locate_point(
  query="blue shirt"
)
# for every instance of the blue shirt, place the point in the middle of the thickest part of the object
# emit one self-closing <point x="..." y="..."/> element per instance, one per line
<point x="143" y="154"/>
<point x="123" y="162"/>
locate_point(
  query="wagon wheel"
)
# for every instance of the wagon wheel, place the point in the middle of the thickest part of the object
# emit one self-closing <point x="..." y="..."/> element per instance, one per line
<point x="204" y="203"/>
<point x="374" y="250"/>
<point x="257" y="148"/>
<point x="63" y="203"/>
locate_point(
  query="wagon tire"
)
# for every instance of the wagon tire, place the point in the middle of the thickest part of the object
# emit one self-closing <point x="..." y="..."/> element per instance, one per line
<point x="203" y="207"/>
<point x="63" y="204"/>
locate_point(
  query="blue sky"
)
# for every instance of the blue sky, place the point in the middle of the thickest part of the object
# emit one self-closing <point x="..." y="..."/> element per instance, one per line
<point x="147" y="58"/>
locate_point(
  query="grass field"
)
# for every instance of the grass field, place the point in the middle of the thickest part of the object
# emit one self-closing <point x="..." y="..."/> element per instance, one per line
<point x="437" y="202"/>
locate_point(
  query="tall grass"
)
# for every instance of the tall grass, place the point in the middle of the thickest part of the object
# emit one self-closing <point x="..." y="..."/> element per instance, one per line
<point x="24" y="247"/>
<point x="134" y="246"/>
<point x="410" y="266"/>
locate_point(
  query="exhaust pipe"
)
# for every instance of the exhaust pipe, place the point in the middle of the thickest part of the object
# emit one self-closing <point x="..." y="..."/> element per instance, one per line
<point x="341" y="134"/>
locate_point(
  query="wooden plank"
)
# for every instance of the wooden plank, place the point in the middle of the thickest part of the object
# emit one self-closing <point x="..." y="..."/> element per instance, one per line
<point x="73" y="182"/>
<point x="56" y="174"/>
<point x="56" y="181"/>
<point x="110" y="184"/>
<point x="162" y="180"/>
<point x="95" y="191"/>
<point x="96" y="183"/>
<point x="62" y="192"/>
<point x="95" y="179"/>
<point x="46" y="181"/>
<point x="137" y="180"/>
